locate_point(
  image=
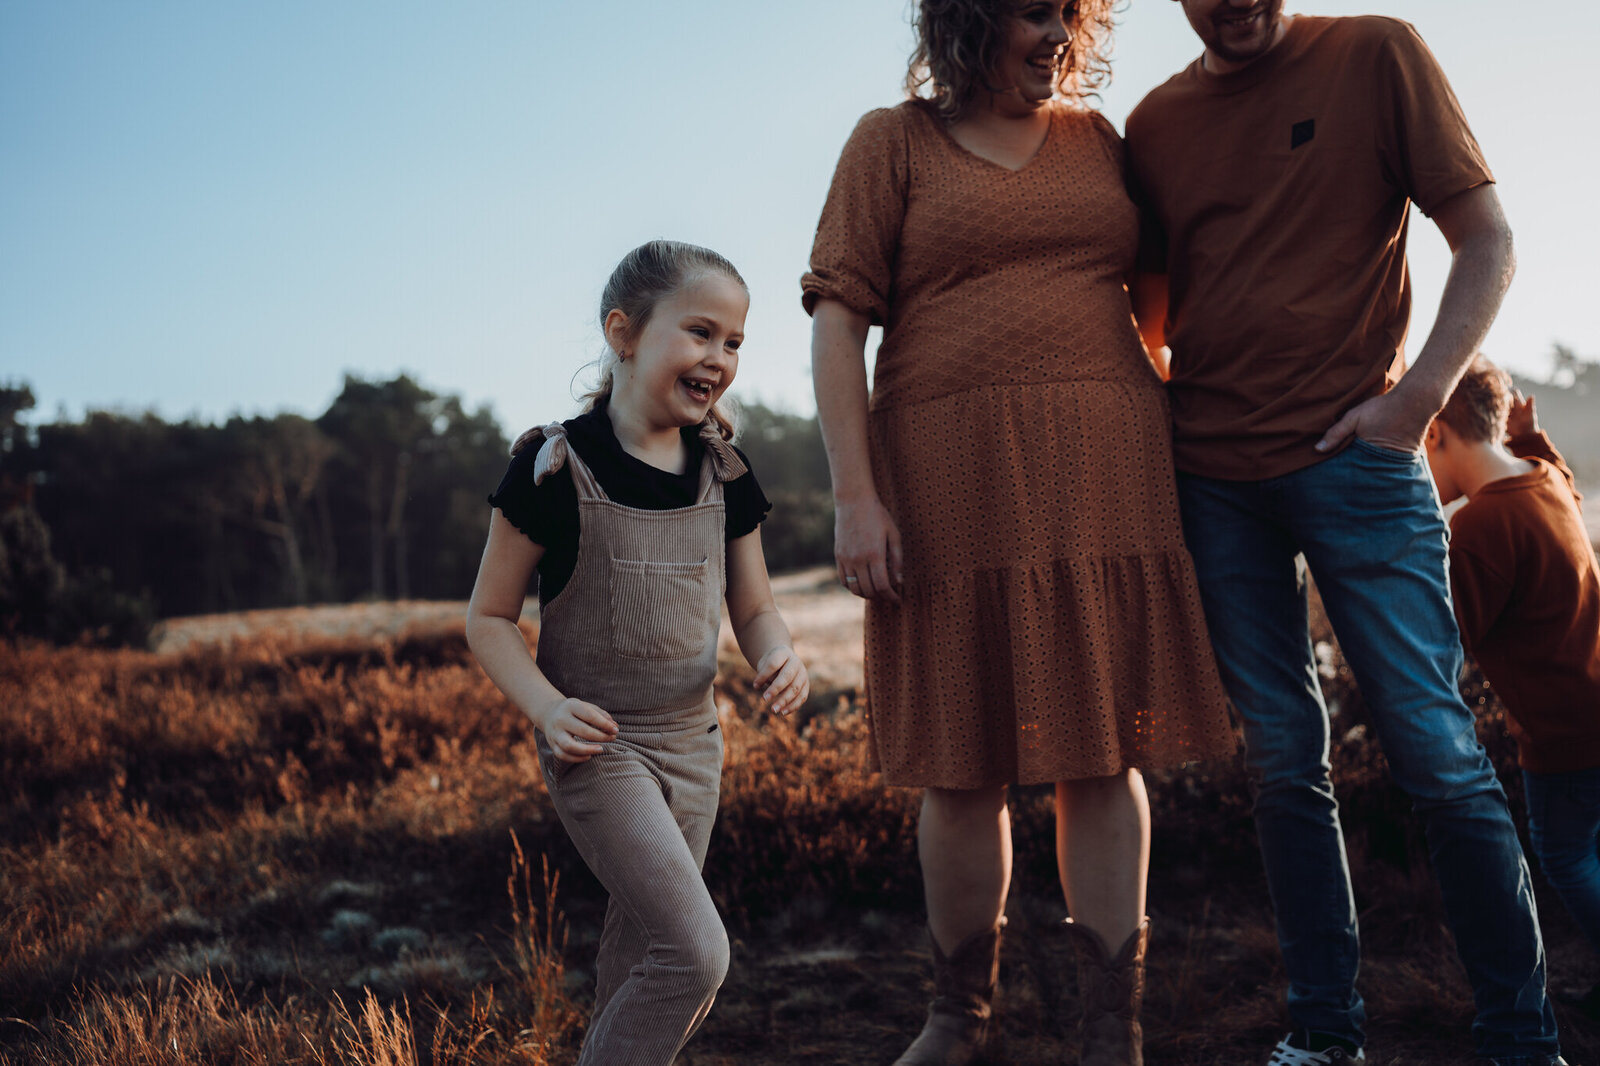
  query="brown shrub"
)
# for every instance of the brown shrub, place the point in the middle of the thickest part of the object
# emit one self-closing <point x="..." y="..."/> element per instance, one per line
<point x="293" y="852"/>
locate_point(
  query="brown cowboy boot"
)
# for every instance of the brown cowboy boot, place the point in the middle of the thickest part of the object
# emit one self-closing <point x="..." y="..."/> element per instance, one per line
<point x="1111" y="991"/>
<point x="958" y="1018"/>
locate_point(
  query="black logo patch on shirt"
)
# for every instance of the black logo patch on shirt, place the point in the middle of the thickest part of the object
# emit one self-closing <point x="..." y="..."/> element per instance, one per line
<point x="1301" y="132"/>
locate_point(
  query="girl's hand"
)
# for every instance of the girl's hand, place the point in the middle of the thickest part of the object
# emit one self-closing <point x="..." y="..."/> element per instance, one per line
<point x="866" y="549"/>
<point x="782" y="679"/>
<point x="575" y="730"/>
<point x="1521" y="419"/>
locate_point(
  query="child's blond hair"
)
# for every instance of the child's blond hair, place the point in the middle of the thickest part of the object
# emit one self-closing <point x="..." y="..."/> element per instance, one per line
<point x="1478" y="407"/>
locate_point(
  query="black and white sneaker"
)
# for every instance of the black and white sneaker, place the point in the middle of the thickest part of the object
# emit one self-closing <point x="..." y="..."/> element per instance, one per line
<point x="1290" y="1053"/>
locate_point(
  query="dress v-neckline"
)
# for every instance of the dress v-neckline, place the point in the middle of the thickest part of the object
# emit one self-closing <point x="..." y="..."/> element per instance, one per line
<point x="1049" y="132"/>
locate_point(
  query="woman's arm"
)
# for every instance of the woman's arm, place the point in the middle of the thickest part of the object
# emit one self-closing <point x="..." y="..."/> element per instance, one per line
<point x="574" y="729"/>
<point x="1148" y="292"/>
<point x="866" y="544"/>
<point x="759" y="628"/>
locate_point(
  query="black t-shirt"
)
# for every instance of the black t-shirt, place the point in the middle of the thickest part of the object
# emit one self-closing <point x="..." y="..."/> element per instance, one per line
<point x="548" y="512"/>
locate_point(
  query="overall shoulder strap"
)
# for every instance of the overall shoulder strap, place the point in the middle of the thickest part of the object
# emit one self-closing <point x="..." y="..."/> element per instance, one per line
<point x="556" y="452"/>
<point x="721" y="463"/>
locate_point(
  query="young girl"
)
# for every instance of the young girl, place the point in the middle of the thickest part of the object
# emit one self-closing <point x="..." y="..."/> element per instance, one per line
<point x="638" y="517"/>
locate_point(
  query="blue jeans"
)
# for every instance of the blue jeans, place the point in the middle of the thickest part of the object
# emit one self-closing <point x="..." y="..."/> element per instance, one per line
<point x="1367" y="523"/>
<point x="1564" y="825"/>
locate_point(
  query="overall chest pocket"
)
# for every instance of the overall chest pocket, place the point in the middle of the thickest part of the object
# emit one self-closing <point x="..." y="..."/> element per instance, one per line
<point x="659" y="610"/>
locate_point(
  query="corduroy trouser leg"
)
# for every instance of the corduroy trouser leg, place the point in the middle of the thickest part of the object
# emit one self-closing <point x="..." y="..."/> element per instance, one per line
<point x="641" y="814"/>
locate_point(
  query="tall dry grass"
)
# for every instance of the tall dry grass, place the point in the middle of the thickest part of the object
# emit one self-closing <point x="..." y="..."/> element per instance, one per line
<point x="323" y="852"/>
<point x="270" y="853"/>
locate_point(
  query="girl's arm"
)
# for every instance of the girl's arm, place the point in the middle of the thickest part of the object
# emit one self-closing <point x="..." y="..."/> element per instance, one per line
<point x="762" y="636"/>
<point x="574" y="729"/>
<point x="866" y="544"/>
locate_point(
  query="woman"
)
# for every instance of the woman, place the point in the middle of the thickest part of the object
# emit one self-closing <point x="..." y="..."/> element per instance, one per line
<point x="1005" y="503"/>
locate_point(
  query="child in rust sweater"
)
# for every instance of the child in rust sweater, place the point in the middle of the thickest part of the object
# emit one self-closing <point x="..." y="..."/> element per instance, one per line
<point x="1526" y="586"/>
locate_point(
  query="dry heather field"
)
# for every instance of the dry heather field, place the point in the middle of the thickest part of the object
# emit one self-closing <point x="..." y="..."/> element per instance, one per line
<point x="321" y="838"/>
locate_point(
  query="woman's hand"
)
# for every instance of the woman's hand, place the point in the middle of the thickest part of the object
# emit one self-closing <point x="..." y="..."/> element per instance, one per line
<point x="576" y="730"/>
<point x="866" y="550"/>
<point x="782" y="679"/>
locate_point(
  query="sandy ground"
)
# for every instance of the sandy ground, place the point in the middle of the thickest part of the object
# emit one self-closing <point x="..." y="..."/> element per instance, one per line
<point x="825" y="621"/>
<point x="389" y="619"/>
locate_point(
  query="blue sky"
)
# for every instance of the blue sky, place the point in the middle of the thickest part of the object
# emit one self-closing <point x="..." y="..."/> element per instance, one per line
<point x="215" y="207"/>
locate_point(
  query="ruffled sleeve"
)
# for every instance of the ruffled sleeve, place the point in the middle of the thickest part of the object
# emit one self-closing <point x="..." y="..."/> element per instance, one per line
<point x="858" y="236"/>
<point x="747" y="505"/>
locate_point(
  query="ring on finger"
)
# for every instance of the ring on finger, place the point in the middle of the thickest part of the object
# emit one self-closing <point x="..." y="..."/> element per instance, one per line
<point x="851" y="580"/>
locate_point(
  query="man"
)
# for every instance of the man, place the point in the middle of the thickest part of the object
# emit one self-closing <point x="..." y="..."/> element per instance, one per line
<point x="1526" y="589"/>
<point x="1277" y="172"/>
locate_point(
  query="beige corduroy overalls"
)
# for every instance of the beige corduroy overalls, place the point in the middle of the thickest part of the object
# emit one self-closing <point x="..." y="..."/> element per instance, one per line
<point x="634" y="631"/>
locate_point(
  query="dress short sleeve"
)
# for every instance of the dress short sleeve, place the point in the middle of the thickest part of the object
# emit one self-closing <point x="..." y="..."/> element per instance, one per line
<point x="1110" y="140"/>
<point x="1152" y="254"/>
<point x="1427" y="148"/>
<point x="853" y="256"/>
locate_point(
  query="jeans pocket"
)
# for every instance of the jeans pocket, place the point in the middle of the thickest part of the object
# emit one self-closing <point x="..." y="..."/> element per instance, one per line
<point x="658" y="609"/>
<point x="1388" y="454"/>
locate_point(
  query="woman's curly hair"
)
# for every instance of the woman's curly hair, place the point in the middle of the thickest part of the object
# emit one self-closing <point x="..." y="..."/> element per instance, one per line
<point x="959" y="42"/>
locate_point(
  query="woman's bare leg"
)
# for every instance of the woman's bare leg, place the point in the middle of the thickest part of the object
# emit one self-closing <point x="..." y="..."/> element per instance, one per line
<point x="1103" y="852"/>
<point x="964" y="844"/>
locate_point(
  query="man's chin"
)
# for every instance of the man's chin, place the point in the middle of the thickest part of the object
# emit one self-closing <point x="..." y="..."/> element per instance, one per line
<point x="1247" y="52"/>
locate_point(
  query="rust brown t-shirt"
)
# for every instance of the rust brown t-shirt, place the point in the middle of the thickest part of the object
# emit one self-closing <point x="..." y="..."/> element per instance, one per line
<point x="1526" y="588"/>
<point x="1276" y="200"/>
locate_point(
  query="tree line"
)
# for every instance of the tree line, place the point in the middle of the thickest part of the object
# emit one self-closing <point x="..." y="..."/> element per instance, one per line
<point x="113" y="521"/>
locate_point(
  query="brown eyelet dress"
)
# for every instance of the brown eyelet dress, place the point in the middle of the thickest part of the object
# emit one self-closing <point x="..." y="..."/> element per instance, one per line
<point x="1050" y="624"/>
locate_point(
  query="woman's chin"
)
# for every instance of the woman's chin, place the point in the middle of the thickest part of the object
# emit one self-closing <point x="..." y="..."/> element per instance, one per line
<point x="1034" y="92"/>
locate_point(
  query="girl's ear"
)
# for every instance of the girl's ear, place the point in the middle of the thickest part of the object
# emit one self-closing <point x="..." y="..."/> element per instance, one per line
<point x="616" y="328"/>
<point x="1435" y="436"/>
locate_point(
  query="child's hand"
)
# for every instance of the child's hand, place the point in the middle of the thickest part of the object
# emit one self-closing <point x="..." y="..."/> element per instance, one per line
<point x="575" y="730"/>
<point x="1521" y="419"/>
<point x="782" y="679"/>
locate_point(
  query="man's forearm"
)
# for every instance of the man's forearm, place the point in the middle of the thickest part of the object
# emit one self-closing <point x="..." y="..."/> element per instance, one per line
<point x="1482" y="262"/>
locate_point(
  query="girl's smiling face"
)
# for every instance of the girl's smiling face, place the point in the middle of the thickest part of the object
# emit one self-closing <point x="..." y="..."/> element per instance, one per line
<point x="685" y="357"/>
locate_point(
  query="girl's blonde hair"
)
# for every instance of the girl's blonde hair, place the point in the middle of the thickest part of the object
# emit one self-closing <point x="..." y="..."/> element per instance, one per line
<point x="959" y="42"/>
<point x="647" y="275"/>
